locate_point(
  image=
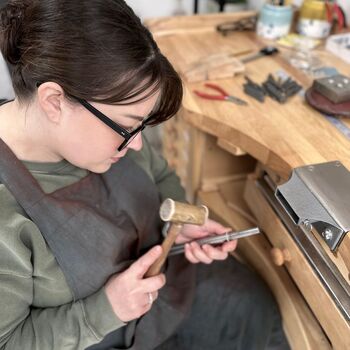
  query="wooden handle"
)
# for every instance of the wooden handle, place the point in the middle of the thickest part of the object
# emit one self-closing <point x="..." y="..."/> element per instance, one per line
<point x="280" y="256"/>
<point x="166" y="245"/>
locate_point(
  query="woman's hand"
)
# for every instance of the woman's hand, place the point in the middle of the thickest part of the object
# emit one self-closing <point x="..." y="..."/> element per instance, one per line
<point x="206" y="253"/>
<point x="130" y="293"/>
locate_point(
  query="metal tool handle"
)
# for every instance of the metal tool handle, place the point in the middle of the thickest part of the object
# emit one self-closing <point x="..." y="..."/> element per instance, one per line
<point x="266" y="51"/>
<point x="215" y="240"/>
<point x="209" y="96"/>
<point x="216" y="88"/>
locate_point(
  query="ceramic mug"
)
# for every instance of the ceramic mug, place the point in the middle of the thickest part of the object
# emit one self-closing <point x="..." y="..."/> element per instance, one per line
<point x="274" y="21"/>
<point x="313" y="20"/>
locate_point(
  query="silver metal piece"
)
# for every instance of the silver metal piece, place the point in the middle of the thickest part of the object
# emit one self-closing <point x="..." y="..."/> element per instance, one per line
<point x="328" y="273"/>
<point x="218" y="239"/>
<point x="327" y="234"/>
<point x="320" y="194"/>
<point x="236" y="100"/>
<point x="307" y="225"/>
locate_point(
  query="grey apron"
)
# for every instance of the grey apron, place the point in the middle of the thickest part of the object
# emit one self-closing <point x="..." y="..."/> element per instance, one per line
<point x="97" y="227"/>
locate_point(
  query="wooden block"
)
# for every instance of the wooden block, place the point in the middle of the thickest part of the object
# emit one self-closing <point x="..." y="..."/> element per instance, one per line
<point x="217" y="66"/>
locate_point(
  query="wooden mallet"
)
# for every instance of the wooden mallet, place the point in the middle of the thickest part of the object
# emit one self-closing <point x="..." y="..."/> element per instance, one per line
<point x="177" y="214"/>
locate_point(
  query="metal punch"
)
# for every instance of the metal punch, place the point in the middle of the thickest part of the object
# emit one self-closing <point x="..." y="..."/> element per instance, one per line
<point x="218" y="239"/>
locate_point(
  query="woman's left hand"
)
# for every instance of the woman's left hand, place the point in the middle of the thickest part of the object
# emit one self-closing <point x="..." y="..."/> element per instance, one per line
<point x="206" y="253"/>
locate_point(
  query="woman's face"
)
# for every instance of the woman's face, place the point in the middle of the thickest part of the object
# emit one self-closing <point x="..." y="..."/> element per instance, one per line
<point x="90" y="144"/>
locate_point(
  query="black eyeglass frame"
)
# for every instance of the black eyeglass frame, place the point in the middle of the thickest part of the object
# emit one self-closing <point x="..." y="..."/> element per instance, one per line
<point x="113" y="125"/>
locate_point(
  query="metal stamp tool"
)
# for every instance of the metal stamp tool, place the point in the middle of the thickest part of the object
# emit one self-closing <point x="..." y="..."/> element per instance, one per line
<point x="218" y="239"/>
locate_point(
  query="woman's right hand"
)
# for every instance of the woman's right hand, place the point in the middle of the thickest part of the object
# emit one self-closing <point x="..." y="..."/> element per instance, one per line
<point x="130" y="293"/>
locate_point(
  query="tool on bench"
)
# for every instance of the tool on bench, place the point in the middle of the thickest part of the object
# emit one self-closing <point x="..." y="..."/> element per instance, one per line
<point x="280" y="90"/>
<point x="313" y="207"/>
<point x="240" y="25"/>
<point x="335" y="12"/>
<point x="317" y="196"/>
<point x="254" y="90"/>
<point x="266" y="51"/>
<point x="336" y="88"/>
<point x="177" y="214"/>
<point x="330" y="95"/>
<point x="323" y="96"/>
<point x="223" y="96"/>
<point x="216" y="240"/>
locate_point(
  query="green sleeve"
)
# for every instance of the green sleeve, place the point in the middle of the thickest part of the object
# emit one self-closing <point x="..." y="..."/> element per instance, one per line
<point x="166" y="180"/>
<point x="72" y="326"/>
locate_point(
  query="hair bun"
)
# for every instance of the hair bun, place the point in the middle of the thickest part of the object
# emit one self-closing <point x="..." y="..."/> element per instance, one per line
<point x="11" y="21"/>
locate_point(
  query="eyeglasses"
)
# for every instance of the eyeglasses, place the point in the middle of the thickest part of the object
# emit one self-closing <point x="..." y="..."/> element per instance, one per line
<point x="127" y="135"/>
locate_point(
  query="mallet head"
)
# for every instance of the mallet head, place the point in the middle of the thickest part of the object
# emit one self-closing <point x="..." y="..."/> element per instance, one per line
<point x="183" y="213"/>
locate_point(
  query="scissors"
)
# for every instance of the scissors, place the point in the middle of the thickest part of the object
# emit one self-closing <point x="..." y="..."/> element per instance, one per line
<point x="224" y="96"/>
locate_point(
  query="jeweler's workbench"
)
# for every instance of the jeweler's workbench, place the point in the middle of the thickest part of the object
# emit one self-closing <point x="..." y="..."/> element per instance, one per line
<point x="232" y="158"/>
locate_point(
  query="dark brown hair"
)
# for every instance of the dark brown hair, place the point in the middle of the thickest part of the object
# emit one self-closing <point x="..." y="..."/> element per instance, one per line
<point x="96" y="50"/>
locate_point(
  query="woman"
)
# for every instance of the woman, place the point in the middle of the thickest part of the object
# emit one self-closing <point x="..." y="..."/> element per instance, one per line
<point x="80" y="192"/>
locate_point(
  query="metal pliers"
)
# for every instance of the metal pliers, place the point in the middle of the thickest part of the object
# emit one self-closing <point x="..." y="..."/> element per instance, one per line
<point x="334" y="11"/>
<point x="224" y="96"/>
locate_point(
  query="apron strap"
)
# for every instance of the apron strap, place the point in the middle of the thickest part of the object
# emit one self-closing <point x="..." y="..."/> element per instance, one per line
<point x="17" y="178"/>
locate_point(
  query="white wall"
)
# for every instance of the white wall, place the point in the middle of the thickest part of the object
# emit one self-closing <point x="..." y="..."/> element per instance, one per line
<point x="158" y="8"/>
<point x="6" y="91"/>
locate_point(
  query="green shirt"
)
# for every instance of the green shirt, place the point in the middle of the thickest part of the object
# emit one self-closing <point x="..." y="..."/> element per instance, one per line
<point x="37" y="310"/>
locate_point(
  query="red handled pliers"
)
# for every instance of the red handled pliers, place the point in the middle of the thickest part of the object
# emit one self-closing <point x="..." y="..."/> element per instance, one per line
<point x="335" y="11"/>
<point x="224" y="96"/>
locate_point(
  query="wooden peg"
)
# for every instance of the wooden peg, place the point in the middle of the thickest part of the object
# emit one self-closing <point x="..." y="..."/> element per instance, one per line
<point x="280" y="256"/>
